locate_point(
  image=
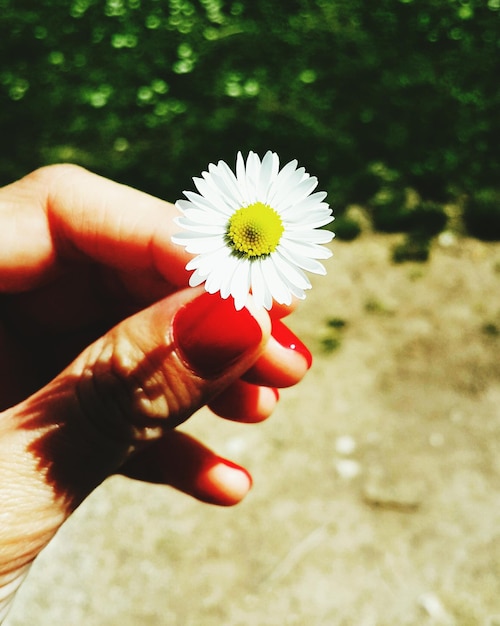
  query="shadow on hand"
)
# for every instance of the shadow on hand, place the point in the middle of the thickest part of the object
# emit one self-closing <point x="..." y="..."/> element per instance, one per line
<point x="85" y="427"/>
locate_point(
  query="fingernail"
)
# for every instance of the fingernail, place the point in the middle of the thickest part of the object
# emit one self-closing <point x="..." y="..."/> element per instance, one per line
<point x="230" y="482"/>
<point x="287" y="339"/>
<point x="211" y="335"/>
<point x="234" y="474"/>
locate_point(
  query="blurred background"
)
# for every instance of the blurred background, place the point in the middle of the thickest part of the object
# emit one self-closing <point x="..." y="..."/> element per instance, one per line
<point x="376" y="498"/>
<point x="375" y="98"/>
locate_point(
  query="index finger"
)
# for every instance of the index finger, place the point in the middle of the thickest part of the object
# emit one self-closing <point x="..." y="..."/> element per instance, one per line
<point x="64" y="212"/>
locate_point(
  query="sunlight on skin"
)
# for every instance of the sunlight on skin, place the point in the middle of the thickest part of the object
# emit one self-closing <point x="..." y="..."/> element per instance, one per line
<point x="92" y="376"/>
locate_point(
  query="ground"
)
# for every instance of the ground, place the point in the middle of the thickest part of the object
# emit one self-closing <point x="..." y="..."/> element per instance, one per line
<point x="376" y="498"/>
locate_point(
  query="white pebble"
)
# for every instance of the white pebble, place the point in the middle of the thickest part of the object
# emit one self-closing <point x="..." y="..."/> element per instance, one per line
<point x="236" y="445"/>
<point x="447" y="239"/>
<point x="345" y="444"/>
<point x="434" y="608"/>
<point x="347" y="468"/>
<point x="436" y="440"/>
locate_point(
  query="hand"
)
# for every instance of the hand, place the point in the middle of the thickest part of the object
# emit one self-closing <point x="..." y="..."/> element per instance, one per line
<point x="103" y="351"/>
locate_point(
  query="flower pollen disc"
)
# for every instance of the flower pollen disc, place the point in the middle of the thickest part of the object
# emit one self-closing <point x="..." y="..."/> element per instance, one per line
<point x="254" y="231"/>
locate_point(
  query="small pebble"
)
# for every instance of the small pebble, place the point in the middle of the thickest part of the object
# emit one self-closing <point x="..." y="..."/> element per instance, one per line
<point x="347" y="468"/>
<point x="447" y="239"/>
<point x="236" y="445"/>
<point x="345" y="445"/>
<point x="436" y="440"/>
<point x="434" y="608"/>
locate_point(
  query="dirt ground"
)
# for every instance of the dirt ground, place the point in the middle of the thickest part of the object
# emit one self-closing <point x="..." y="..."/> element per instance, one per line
<point x="376" y="498"/>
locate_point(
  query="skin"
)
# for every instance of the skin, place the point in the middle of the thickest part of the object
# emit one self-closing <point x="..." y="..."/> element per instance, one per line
<point x="91" y="380"/>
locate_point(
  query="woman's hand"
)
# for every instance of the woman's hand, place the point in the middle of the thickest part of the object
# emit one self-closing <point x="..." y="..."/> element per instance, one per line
<point x="103" y="351"/>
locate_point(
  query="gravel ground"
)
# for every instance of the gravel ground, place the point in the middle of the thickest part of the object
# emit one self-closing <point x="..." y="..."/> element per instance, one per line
<point x="376" y="498"/>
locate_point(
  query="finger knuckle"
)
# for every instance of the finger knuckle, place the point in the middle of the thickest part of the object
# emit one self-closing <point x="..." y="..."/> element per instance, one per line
<point x="125" y="391"/>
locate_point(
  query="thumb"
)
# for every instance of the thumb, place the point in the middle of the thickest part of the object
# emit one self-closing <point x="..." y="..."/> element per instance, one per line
<point x="142" y="378"/>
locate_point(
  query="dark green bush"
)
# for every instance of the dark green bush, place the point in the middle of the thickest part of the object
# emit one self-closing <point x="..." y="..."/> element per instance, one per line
<point x="415" y="247"/>
<point x="346" y="228"/>
<point x="389" y="210"/>
<point x="333" y="339"/>
<point x="149" y="92"/>
<point x="427" y="218"/>
<point x="482" y="214"/>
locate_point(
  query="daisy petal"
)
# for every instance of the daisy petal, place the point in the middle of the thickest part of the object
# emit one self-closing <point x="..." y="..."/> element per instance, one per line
<point x="198" y="216"/>
<point x="194" y="200"/>
<point x="317" y="220"/>
<point x="208" y="229"/>
<point x="268" y="171"/>
<point x="276" y="282"/>
<point x="284" y="179"/>
<point x="313" y="236"/>
<point x="305" y="263"/>
<point x="240" y="284"/>
<point x="204" y="245"/>
<point x="231" y="180"/>
<point x="224" y="185"/>
<point x="206" y="262"/>
<point x="241" y="174"/>
<point x="294" y="274"/>
<point x="230" y="266"/>
<point x="196" y="279"/>
<point x="252" y="176"/>
<point x="260" y="290"/>
<point x="311" y="250"/>
<point x="312" y="202"/>
<point x="283" y="196"/>
<point x="215" y="198"/>
<point x="215" y="278"/>
<point x="300" y="192"/>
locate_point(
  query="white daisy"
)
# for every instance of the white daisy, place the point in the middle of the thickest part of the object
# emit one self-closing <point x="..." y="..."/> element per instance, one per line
<point x="256" y="231"/>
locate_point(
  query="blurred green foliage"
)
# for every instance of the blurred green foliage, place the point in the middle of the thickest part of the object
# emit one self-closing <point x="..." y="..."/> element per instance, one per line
<point x="333" y="339"/>
<point x="414" y="247"/>
<point x="482" y="213"/>
<point x="148" y="92"/>
<point x="346" y="228"/>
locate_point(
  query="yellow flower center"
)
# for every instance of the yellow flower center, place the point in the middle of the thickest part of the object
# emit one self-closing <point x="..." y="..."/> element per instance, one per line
<point x="254" y="231"/>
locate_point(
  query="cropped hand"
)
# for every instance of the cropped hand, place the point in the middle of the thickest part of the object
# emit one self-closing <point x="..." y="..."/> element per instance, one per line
<point x="104" y="351"/>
